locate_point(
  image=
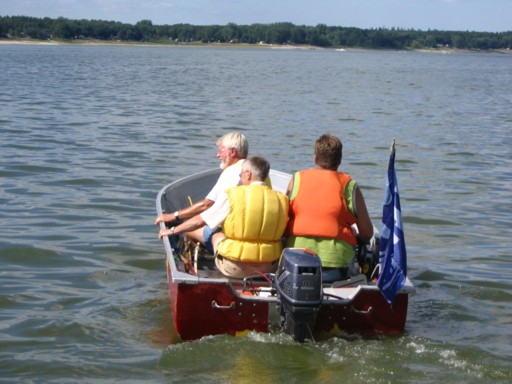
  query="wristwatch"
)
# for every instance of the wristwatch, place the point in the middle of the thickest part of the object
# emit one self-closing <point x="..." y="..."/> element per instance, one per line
<point x="177" y="215"/>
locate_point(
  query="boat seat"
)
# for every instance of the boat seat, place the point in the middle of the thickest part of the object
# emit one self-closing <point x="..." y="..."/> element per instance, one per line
<point x="330" y="275"/>
<point x="351" y="282"/>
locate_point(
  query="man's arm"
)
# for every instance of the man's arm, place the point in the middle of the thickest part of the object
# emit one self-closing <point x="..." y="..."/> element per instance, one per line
<point x="364" y="223"/>
<point x="185" y="213"/>
<point x="189" y="225"/>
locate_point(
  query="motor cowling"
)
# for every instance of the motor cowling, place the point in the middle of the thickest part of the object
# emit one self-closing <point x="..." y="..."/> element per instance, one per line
<point x="299" y="290"/>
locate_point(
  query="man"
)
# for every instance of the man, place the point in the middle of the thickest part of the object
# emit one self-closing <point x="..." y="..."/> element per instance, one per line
<point x="232" y="150"/>
<point x="322" y="219"/>
<point x="253" y="219"/>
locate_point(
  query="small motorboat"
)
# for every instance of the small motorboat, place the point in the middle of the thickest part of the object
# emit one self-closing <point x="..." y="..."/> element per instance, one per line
<point x="297" y="299"/>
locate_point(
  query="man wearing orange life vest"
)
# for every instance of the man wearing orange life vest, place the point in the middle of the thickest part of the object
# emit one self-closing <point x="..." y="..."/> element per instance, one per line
<point x="324" y="206"/>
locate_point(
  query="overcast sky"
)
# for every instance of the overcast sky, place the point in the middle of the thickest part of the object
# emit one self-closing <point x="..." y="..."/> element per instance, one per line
<point x="461" y="15"/>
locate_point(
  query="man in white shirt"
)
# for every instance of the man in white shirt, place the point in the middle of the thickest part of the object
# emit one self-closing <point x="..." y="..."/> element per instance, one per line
<point x="253" y="219"/>
<point x="232" y="149"/>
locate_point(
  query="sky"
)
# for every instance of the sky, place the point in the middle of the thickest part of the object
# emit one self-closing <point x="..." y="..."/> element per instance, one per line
<point x="447" y="15"/>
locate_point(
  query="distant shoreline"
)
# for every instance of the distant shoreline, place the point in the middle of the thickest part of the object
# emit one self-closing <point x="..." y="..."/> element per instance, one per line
<point x="146" y="44"/>
<point x="92" y="42"/>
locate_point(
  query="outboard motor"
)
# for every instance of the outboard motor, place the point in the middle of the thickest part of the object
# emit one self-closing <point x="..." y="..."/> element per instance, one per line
<point x="298" y="283"/>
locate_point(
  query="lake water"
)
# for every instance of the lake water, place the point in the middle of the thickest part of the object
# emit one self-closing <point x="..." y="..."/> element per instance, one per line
<point x="89" y="134"/>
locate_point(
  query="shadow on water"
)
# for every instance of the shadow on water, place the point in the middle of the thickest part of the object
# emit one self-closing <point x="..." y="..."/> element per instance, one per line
<point x="276" y="358"/>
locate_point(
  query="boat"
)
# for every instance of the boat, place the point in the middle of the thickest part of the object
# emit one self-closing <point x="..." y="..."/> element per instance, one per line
<point x="296" y="300"/>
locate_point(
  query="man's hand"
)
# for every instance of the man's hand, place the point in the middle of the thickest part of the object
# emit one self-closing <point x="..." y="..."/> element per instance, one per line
<point x="164" y="232"/>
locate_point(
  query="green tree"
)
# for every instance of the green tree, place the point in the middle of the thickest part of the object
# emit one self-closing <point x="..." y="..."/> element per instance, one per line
<point x="63" y="29"/>
<point x="146" y="29"/>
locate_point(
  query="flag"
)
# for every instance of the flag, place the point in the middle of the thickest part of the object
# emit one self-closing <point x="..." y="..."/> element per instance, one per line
<point x="392" y="254"/>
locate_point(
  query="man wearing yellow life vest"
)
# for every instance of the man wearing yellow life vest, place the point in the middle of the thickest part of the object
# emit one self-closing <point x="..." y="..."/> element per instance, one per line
<point x="324" y="206"/>
<point x="232" y="149"/>
<point x="253" y="219"/>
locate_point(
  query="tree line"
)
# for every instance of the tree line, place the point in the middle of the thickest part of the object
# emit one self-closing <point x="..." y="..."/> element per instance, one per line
<point x="275" y="33"/>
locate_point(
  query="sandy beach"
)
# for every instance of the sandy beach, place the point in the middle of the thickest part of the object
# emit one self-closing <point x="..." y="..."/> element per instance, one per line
<point x="227" y="45"/>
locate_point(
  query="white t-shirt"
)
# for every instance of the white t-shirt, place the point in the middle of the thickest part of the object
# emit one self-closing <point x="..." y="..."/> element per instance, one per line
<point x="217" y="213"/>
<point x="229" y="177"/>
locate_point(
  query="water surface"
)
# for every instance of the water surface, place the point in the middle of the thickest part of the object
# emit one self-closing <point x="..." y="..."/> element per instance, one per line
<point x="91" y="133"/>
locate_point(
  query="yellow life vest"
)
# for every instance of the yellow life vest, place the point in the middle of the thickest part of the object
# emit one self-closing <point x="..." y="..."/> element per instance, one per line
<point x="255" y="224"/>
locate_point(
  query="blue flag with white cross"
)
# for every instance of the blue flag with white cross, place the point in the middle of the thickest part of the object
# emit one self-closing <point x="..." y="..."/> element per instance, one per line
<point x="392" y="254"/>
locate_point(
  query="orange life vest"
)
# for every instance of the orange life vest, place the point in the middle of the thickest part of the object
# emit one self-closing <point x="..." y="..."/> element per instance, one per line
<point x="319" y="208"/>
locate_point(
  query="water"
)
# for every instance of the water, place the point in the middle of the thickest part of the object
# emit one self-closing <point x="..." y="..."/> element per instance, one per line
<point x="91" y="133"/>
